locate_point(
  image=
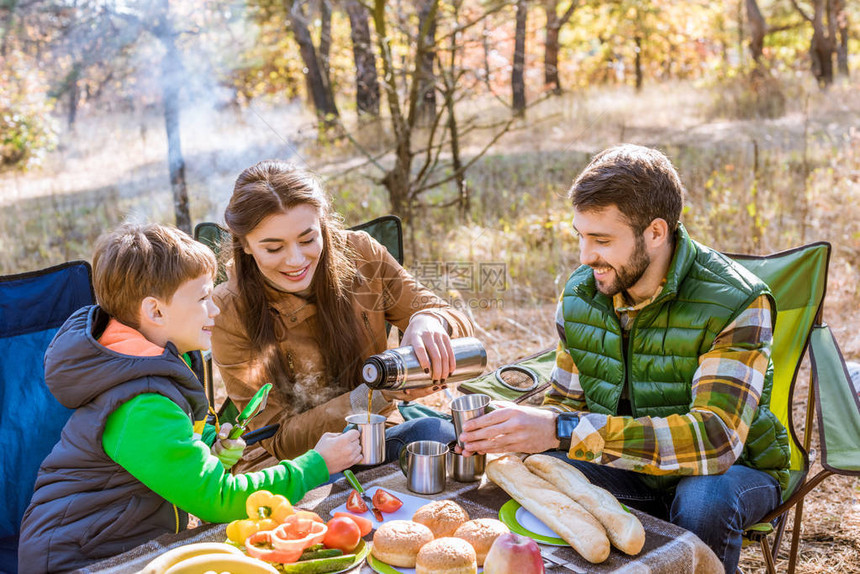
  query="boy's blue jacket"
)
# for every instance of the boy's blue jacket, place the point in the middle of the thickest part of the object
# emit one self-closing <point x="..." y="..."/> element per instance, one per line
<point x="86" y="506"/>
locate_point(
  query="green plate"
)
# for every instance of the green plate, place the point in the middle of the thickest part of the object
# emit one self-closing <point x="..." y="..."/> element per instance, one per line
<point x="508" y="515"/>
<point x="381" y="567"/>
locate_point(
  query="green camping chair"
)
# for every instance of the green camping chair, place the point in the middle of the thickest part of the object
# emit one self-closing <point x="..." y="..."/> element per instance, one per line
<point x="798" y="281"/>
<point x="387" y="230"/>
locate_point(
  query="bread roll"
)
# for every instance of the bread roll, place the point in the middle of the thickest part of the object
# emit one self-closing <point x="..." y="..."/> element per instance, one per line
<point x="446" y="556"/>
<point x="481" y="533"/>
<point x="397" y="542"/>
<point x="623" y="528"/>
<point x="443" y="517"/>
<point x="564" y="516"/>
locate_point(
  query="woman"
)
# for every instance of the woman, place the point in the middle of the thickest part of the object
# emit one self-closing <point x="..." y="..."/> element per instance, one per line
<point x="306" y="303"/>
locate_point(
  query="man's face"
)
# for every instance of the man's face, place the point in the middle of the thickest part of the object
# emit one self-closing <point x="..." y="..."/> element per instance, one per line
<point x="611" y="248"/>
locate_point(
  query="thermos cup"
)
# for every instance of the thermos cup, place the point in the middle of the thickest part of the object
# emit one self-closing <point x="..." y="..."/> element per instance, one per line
<point x="398" y="369"/>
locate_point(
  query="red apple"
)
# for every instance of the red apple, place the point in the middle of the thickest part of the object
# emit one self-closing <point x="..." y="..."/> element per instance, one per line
<point x="513" y="554"/>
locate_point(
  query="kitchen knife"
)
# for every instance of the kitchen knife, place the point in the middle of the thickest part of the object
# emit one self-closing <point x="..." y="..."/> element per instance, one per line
<point x="350" y="477"/>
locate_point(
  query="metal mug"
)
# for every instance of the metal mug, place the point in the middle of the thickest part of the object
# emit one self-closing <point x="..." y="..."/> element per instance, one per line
<point x="468" y="407"/>
<point x="465" y="468"/>
<point x="372" y="429"/>
<point x="424" y="464"/>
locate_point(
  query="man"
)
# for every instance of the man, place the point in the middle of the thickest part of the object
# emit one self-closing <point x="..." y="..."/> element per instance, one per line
<point x="662" y="381"/>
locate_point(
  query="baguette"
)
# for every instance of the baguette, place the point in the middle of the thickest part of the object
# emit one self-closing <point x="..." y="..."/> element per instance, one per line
<point x="564" y="516"/>
<point x="623" y="528"/>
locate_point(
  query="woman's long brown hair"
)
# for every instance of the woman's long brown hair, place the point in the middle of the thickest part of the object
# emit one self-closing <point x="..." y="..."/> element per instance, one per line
<point x="269" y="188"/>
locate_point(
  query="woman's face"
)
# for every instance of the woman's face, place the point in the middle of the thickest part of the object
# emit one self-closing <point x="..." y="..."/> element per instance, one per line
<point x="287" y="248"/>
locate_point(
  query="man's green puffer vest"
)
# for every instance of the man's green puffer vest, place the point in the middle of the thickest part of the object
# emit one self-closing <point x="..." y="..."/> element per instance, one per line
<point x="703" y="294"/>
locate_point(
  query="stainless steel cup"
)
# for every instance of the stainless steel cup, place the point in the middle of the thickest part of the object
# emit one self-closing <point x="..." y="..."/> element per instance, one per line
<point x="465" y="468"/>
<point x="372" y="429"/>
<point x="466" y="408"/>
<point x="424" y="464"/>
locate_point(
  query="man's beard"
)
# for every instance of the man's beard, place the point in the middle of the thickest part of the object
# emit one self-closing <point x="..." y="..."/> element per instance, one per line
<point x="628" y="274"/>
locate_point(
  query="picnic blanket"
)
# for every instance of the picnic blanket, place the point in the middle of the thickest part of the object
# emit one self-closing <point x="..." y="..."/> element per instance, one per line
<point x="668" y="548"/>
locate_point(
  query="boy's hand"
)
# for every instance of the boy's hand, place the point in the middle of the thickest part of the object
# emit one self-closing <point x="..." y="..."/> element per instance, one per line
<point x="340" y="451"/>
<point x="228" y="451"/>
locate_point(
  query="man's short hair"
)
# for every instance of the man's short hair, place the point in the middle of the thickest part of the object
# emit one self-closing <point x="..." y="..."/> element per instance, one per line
<point x="641" y="182"/>
<point x="136" y="261"/>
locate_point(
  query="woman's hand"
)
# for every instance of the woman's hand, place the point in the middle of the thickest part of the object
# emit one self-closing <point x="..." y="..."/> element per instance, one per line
<point x="427" y="335"/>
<point x="339" y="450"/>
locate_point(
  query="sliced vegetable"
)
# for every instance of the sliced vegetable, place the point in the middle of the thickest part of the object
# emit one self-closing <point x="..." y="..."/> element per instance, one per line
<point x="298" y="533"/>
<point x="320" y="566"/>
<point x="320" y="553"/>
<point x="342" y="534"/>
<point x="308" y="514"/>
<point x="364" y="524"/>
<point x="385" y="501"/>
<point x="260" y="546"/>
<point x="355" y="503"/>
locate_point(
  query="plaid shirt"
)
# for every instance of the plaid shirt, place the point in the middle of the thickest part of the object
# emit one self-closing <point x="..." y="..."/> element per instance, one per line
<point x="726" y="389"/>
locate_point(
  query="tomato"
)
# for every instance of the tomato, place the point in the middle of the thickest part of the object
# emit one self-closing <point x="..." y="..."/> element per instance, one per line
<point x="386" y="502"/>
<point x="364" y="525"/>
<point x="355" y="503"/>
<point x="342" y="534"/>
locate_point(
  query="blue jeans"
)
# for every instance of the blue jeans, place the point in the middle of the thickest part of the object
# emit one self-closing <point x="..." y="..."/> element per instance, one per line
<point x="715" y="508"/>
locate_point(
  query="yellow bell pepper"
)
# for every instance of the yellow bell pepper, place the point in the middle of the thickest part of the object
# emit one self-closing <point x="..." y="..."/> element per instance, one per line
<point x="263" y="504"/>
<point x="239" y="530"/>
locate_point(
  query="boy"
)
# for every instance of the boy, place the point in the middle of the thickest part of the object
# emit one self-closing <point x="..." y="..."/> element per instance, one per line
<point x="130" y="463"/>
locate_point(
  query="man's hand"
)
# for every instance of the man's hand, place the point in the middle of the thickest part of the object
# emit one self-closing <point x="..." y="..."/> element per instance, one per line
<point x="228" y="451"/>
<point x="510" y="428"/>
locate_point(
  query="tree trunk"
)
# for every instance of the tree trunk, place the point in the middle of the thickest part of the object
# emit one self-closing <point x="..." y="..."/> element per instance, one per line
<point x="550" y="56"/>
<point x="325" y="41"/>
<point x="318" y="86"/>
<point x="638" y="62"/>
<point x="517" y="77"/>
<point x="172" y="78"/>
<point x="426" y="77"/>
<point x="73" y="100"/>
<point x="741" y="50"/>
<point x="821" y="49"/>
<point x="396" y="180"/>
<point x="842" y="46"/>
<point x="366" y="82"/>
<point x="758" y="29"/>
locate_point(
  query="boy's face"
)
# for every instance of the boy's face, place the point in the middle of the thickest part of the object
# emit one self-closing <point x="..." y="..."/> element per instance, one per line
<point x="190" y="315"/>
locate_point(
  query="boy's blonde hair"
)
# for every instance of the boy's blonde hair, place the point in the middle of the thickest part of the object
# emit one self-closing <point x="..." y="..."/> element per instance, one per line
<point x="137" y="261"/>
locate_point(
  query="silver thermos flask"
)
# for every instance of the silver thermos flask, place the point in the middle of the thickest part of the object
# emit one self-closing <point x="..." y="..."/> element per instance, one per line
<point x="398" y="369"/>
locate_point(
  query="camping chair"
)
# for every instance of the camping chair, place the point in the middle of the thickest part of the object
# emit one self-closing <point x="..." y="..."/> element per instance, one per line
<point x="33" y="306"/>
<point x="798" y="280"/>
<point x="387" y="230"/>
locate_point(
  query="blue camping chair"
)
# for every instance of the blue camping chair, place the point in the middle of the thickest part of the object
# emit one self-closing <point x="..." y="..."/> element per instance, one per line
<point x="33" y="306"/>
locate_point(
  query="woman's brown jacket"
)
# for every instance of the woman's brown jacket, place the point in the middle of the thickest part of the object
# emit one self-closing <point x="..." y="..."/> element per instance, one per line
<point x="389" y="293"/>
